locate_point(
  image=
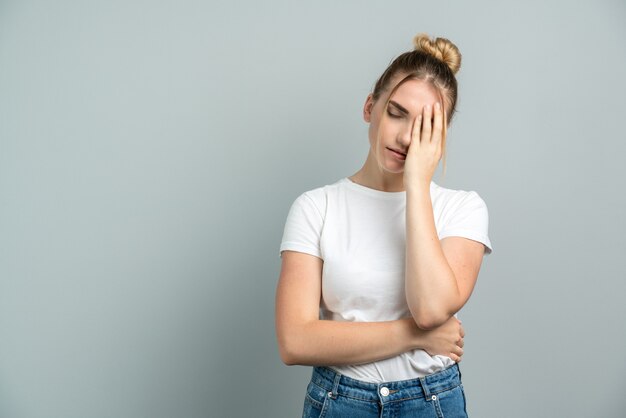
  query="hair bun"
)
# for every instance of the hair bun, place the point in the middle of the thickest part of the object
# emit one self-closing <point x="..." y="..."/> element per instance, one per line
<point x="440" y="48"/>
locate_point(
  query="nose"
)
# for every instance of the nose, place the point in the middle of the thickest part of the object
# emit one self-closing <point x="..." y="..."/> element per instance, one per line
<point x="405" y="135"/>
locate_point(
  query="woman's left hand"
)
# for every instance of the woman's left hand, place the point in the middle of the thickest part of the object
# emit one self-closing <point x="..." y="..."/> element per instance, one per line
<point x="425" y="148"/>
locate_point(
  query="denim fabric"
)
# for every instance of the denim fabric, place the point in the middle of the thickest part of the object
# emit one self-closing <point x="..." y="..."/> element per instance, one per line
<point x="330" y="394"/>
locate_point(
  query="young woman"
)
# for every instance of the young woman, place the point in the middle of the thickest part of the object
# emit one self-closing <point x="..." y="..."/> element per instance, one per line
<point x="375" y="266"/>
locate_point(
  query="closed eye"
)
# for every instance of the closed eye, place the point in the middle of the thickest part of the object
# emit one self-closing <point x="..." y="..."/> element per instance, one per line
<point x="393" y="115"/>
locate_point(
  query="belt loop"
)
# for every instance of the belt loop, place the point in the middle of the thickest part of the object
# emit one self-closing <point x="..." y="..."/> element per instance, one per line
<point x="425" y="388"/>
<point x="335" y="385"/>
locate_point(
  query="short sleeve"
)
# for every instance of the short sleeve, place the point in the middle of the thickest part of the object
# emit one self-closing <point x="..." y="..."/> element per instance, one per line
<point x="470" y="219"/>
<point x="303" y="227"/>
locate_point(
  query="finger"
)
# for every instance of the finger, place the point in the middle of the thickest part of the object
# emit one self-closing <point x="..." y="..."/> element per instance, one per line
<point x="426" y="123"/>
<point x="462" y="332"/>
<point x="417" y="128"/>
<point x="438" y="123"/>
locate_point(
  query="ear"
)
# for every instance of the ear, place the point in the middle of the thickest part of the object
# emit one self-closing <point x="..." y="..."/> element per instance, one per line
<point x="367" y="108"/>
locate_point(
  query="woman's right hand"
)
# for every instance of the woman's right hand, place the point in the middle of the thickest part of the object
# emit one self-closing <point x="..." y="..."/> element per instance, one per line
<point x="445" y="340"/>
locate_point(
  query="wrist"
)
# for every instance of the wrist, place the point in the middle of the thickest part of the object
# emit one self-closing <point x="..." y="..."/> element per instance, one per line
<point x="409" y="335"/>
<point x="417" y="187"/>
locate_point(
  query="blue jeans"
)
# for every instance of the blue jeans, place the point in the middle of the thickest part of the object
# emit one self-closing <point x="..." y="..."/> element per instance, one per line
<point x="330" y="394"/>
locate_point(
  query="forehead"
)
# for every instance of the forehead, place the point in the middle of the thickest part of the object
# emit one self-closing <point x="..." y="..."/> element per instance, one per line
<point x="414" y="94"/>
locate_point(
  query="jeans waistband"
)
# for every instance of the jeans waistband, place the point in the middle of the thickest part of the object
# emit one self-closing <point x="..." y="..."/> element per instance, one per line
<point x="421" y="387"/>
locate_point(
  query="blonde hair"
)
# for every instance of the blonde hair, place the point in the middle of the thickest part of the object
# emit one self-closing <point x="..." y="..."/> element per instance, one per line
<point x="433" y="61"/>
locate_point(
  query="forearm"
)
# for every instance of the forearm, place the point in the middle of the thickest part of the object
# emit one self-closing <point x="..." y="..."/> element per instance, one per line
<point x="430" y="286"/>
<point x="326" y="342"/>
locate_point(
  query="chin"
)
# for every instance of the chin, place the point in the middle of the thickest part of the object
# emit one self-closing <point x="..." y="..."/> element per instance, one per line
<point x="394" y="170"/>
<point x="394" y="166"/>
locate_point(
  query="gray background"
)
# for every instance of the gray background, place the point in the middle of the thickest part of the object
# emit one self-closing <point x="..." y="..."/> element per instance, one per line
<point x="150" y="152"/>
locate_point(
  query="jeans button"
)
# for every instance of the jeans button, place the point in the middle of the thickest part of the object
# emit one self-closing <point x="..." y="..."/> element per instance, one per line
<point x="434" y="398"/>
<point x="384" y="391"/>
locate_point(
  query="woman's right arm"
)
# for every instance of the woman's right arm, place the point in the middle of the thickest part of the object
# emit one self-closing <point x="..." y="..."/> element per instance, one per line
<point x="304" y="339"/>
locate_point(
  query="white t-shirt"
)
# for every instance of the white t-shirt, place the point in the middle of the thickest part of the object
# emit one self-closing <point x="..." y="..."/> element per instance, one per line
<point x="360" y="233"/>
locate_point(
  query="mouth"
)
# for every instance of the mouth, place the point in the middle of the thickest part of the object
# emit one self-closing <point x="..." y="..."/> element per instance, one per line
<point x="397" y="152"/>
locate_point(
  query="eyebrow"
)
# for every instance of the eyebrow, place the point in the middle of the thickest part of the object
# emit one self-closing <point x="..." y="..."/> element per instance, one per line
<point x="400" y="108"/>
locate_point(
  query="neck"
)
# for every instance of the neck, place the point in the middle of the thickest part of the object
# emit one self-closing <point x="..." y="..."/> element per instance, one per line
<point x="370" y="176"/>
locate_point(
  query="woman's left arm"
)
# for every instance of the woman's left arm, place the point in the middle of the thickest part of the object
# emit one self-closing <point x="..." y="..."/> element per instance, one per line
<point x="440" y="275"/>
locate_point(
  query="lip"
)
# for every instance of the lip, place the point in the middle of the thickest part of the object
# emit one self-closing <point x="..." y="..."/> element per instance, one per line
<point x="397" y="154"/>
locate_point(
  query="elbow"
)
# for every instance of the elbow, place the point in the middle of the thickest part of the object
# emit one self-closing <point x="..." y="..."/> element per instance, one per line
<point x="286" y="352"/>
<point x="289" y="349"/>
<point x="294" y="344"/>
<point x="430" y="320"/>
<point x="426" y="324"/>
<point x="287" y="358"/>
<point x="294" y="358"/>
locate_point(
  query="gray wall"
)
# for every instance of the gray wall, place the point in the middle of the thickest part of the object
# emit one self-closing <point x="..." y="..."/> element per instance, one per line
<point x="149" y="153"/>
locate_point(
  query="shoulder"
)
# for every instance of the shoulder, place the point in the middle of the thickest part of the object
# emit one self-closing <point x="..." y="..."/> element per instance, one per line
<point x="455" y="198"/>
<point x="318" y="197"/>
<point x="462" y="213"/>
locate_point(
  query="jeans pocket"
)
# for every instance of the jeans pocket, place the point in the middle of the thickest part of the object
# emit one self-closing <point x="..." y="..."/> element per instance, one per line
<point x="451" y="403"/>
<point x="314" y="401"/>
<point x="464" y="400"/>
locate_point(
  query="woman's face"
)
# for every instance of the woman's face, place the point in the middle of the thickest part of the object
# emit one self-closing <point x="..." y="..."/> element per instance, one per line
<point x="397" y="124"/>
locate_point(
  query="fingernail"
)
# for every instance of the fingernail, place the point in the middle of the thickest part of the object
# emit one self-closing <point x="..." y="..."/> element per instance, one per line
<point x="437" y="106"/>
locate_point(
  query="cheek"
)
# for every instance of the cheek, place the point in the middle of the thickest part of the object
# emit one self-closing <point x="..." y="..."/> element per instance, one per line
<point x="386" y="128"/>
<point x="392" y="129"/>
<point x="376" y="129"/>
<point x="372" y="133"/>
